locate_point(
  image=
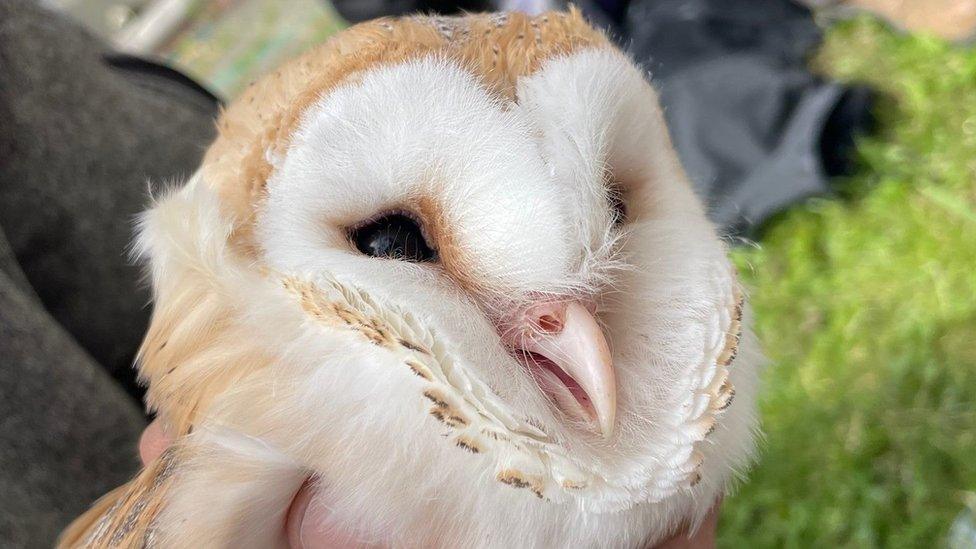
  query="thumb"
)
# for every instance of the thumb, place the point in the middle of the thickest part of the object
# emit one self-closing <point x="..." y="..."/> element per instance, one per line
<point x="309" y="525"/>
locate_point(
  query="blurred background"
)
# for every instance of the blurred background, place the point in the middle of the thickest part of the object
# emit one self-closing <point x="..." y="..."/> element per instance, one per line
<point x="852" y="209"/>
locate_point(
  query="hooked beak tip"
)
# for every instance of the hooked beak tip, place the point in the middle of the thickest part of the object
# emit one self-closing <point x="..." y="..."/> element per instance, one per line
<point x="579" y="348"/>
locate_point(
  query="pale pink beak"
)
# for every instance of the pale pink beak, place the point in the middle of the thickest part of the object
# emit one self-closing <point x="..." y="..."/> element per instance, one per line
<point x="568" y="355"/>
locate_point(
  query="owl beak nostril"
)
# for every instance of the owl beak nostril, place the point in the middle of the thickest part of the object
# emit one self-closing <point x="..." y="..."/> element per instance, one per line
<point x="549" y="324"/>
<point x="571" y="360"/>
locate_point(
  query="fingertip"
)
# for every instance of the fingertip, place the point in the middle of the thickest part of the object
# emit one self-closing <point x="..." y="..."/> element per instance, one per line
<point x="309" y="523"/>
<point x="153" y="442"/>
<point x="295" y="519"/>
<point x="702" y="537"/>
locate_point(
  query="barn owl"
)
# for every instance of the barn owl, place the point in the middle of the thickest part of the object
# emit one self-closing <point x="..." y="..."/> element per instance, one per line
<point x="450" y="270"/>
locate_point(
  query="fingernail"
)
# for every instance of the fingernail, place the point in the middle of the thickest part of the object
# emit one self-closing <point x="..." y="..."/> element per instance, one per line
<point x="309" y="522"/>
<point x="295" y="522"/>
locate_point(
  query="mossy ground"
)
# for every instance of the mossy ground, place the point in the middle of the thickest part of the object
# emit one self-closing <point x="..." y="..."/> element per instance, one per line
<point x="866" y="306"/>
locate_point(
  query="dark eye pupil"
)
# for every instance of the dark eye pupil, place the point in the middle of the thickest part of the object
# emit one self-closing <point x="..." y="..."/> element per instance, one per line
<point x="395" y="237"/>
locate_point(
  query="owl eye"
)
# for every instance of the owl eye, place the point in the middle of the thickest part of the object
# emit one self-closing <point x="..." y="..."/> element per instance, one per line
<point x="394" y="236"/>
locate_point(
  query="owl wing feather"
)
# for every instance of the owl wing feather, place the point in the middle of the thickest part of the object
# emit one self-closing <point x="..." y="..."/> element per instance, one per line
<point x="125" y="516"/>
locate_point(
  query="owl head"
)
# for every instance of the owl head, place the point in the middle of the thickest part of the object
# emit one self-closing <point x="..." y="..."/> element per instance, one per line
<point x="451" y="269"/>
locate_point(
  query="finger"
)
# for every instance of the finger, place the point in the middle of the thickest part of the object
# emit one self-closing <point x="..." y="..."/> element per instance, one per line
<point x="153" y="441"/>
<point x="702" y="538"/>
<point x="308" y="526"/>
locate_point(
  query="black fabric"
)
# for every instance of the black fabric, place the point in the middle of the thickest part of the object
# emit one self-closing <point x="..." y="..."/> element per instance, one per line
<point x="156" y="77"/>
<point x="671" y="35"/>
<point x="68" y="432"/>
<point x="755" y="130"/>
<point x="754" y="151"/>
<point x="85" y="137"/>
<point x="355" y="11"/>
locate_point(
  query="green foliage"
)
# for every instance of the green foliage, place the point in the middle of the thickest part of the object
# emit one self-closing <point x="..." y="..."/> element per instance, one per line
<point x="866" y="306"/>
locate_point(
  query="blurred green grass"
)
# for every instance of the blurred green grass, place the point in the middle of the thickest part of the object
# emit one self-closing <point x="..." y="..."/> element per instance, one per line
<point x="866" y="306"/>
